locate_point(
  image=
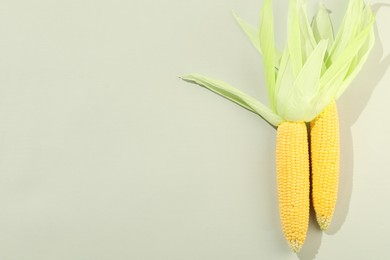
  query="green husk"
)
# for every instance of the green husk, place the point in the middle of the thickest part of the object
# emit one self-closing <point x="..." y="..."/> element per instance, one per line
<point x="234" y="95"/>
<point x="253" y="35"/>
<point x="322" y="26"/>
<point x="296" y="95"/>
<point x="267" y="46"/>
<point x="315" y="67"/>
<point x="250" y="31"/>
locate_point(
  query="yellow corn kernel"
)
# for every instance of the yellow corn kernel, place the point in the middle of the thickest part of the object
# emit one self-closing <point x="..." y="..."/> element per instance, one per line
<point x="325" y="154"/>
<point x="293" y="179"/>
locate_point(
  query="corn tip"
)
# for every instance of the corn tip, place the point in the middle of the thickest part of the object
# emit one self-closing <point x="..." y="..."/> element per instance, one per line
<point x="323" y="222"/>
<point x="295" y="245"/>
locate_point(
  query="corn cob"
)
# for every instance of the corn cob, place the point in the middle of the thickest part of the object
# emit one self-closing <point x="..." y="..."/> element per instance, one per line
<point x="292" y="166"/>
<point x="324" y="149"/>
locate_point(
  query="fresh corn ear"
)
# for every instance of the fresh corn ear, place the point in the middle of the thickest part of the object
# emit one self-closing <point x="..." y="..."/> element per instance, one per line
<point x="303" y="81"/>
<point x="324" y="149"/>
<point x="293" y="181"/>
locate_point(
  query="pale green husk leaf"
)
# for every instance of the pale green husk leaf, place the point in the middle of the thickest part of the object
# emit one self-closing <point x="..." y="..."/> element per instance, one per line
<point x="295" y="39"/>
<point x="235" y="95"/>
<point x="253" y="35"/>
<point x="250" y="31"/>
<point x="322" y="26"/>
<point x="267" y="45"/>
<point x="368" y="20"/>
<point x="346" y="59"/>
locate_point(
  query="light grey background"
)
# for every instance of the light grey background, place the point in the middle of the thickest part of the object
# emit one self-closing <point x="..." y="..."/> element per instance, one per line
<point x="106" y="154"/>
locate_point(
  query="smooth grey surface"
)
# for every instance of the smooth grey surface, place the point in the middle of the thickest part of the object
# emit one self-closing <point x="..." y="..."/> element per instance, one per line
<point x="106" y="154"/>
